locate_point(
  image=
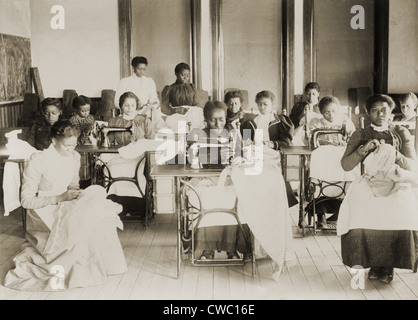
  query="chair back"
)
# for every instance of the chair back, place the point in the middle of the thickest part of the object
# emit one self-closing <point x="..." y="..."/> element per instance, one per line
<point x="67" y="103"/>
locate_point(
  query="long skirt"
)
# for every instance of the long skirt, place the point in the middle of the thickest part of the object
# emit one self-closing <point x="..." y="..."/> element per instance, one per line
<point x="79" y="249"/>
<point x="377" y="248"/>
<point x="224" y="238"/>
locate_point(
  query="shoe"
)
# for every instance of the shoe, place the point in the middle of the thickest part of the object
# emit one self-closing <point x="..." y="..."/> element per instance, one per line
<point x="248" y="256"/>
<point x="374" y="273"/>
<point x="386" y="275"/>
<point x="207" y="255"/>
<point x="232" y="255"/>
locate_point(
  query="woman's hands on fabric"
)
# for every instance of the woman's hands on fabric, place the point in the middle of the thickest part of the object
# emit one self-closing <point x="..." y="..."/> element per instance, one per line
<point x="69" y="195"/>
<point x="369" y="146"/>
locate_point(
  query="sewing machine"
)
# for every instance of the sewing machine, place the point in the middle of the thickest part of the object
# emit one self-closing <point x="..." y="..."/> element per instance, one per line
<point x="104" y="134"/>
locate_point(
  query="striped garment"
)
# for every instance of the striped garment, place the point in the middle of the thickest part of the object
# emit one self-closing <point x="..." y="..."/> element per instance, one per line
<point x="263" y="205"/>
<point x="84" y="125"/>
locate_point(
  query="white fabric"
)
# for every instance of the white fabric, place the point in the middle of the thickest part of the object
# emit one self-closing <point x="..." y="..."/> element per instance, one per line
<point x="156" y="116"/>
<point x="263" y="204"/>
<point x="82" y="246"/>
<point x="144" y="88"/>
<point x="313" y="113"/>
<point x="262" y="122"/>
<point x="326" y="165"/>
<point x="194" y="115"/>
<point x="299" y="137"/>
<point x="61" y="180"/>
<point x="214" y="193"/>
<point x="385" y="198"/>
<point x="18" y="149"/>
<point x="137" y="148"/>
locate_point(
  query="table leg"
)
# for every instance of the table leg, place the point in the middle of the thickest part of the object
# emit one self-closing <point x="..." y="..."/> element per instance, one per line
<point x="302" y="193"/>
<point x="178" y="190"/>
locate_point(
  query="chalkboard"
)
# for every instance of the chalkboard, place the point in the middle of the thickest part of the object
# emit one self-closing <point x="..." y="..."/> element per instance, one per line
<point x="15" y="64"/>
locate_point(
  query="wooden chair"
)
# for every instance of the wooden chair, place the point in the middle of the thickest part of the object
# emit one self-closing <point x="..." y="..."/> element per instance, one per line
<point x="67" y="103"/>
<point x="31" y="109"/>
<point x="106" y="105"/>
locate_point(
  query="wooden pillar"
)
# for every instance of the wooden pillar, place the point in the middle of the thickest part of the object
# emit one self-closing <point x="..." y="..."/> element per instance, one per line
<point x="381" y="48"/>
<point x="196" y="42"/>
<point x="288" y="37"/>
<point x="217" y="50"/>
<point x="125" y="28"/>
<point x="309" y="46"/>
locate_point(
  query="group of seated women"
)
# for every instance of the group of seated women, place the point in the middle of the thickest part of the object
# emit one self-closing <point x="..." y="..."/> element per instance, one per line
<point x="74" y="231"/>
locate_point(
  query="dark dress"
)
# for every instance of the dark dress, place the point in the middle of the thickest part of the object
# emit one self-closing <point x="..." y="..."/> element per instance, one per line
<point x="380" y="248"/>
<point x="38" y="135"/>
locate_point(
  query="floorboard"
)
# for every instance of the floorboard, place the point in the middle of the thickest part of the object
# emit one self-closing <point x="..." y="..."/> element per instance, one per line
<point x="319" y="273"/>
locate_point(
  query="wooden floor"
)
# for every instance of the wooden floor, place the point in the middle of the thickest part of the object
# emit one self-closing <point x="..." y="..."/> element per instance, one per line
<point x="150" y="254"/>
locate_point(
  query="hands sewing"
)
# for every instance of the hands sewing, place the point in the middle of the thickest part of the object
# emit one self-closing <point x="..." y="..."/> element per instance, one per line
<point x="371" y="145"/>
<point x="73" y="192"/>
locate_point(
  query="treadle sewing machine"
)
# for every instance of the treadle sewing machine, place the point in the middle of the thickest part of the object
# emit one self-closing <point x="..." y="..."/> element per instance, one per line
<point x="104" y="132"/>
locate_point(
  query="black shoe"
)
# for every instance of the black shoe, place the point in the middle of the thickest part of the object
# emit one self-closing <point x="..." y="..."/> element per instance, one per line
<point x="248" y="256"/>
<point x="386" y="275"/>
<point x="232" y="255"/>
<point x="207" y="255"/>
<point x="374" y="273"/>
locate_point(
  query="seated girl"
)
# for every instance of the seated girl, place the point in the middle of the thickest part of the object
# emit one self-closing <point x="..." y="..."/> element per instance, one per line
<point x="378" y="226"/>
<point x="332" y="118"/>
<point x="234" y="100"/>
<point x="409" y="105"/>
<point x="277" y="130"/>
<point x="140" y="125"/>
<point x="222" y="238"/>
<point x="71" y="236"/>
<point x="264" y="212"/>
<point x="297" y="115"/>
<point x="82" y="118"/>
<point x="38" y="135"/>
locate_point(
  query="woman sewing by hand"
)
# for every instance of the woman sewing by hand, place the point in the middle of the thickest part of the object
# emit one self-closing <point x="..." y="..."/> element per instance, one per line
<point x="377" y="220"/>
<point x="69" y="230"/>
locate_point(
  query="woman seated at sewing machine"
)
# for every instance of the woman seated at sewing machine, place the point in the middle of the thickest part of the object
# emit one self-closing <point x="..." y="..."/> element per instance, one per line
<point x="138" y="127"/>
<point x="202" y="152"/>
<point x="260" y="209"/>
